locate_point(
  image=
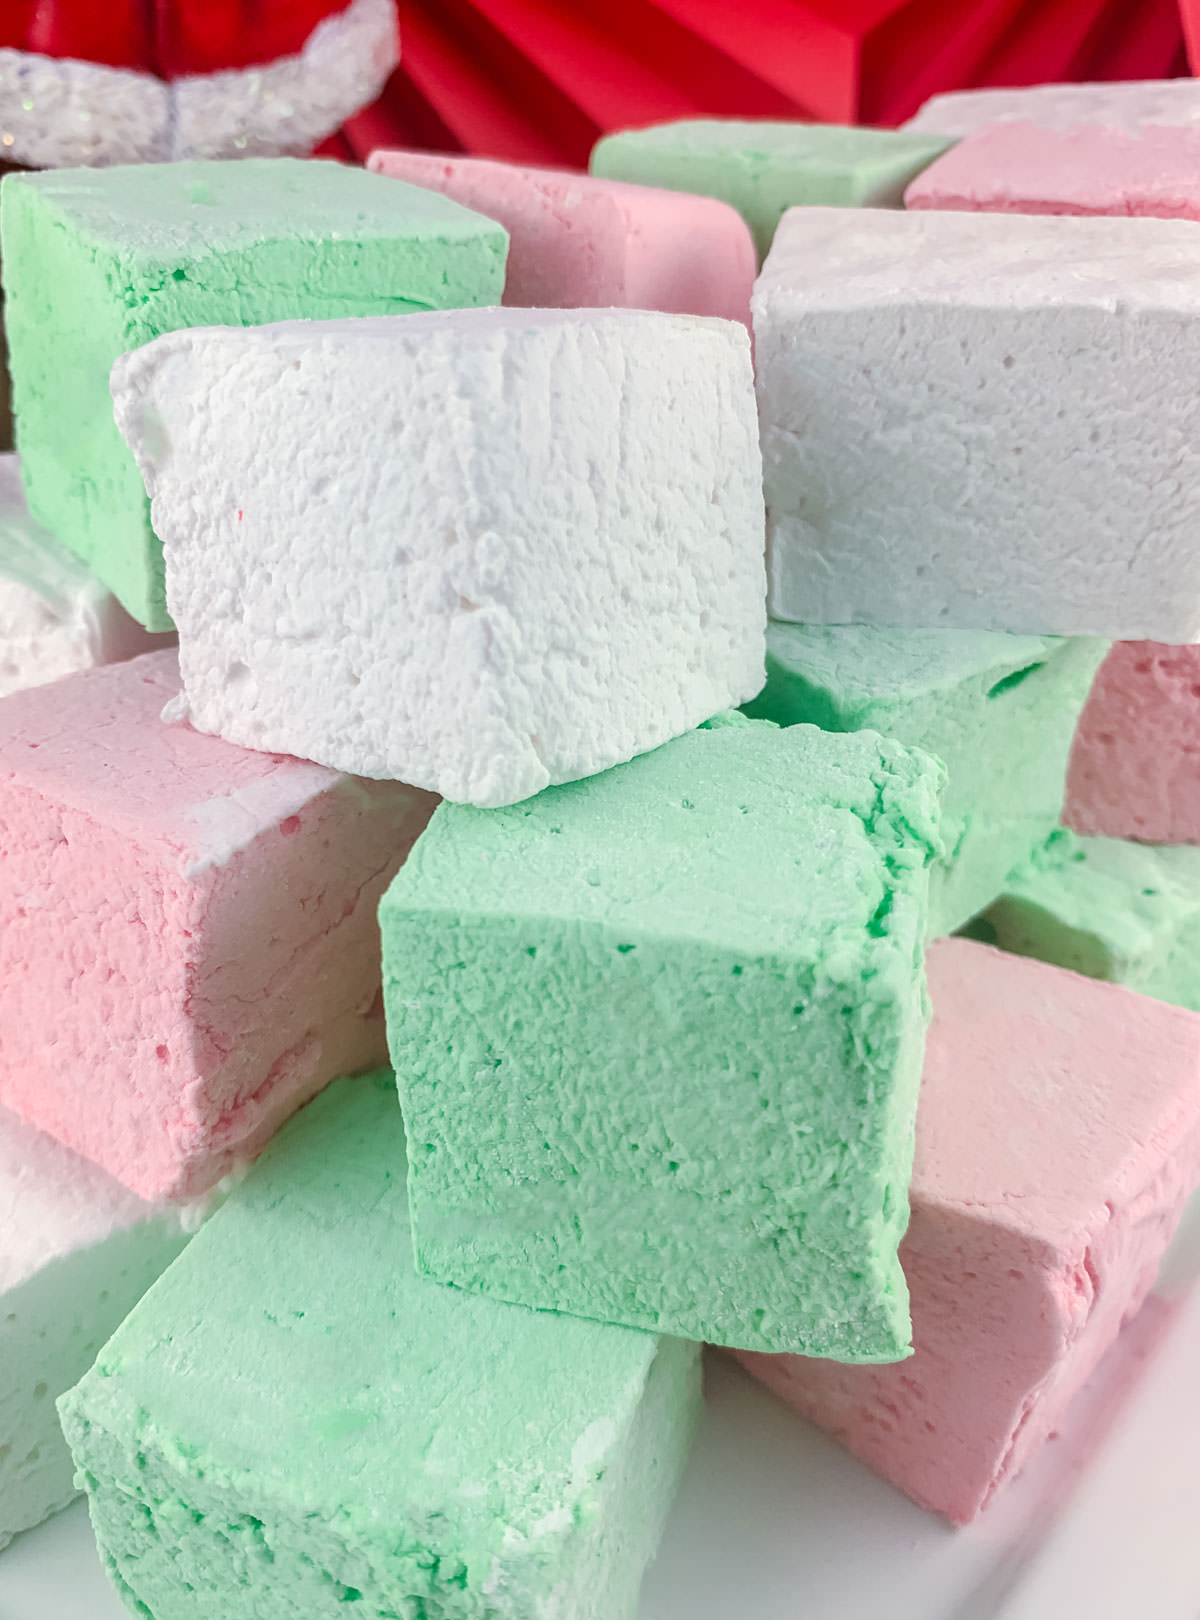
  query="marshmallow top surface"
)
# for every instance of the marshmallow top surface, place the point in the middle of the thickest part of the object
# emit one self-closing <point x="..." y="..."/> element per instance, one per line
<point x="685" y="842"/>
<point x="579" y="240"/>
<point x="1019" y="168"/>
<point x="763" y="167"/>
<point x="53" y="1202"/>
<point x="168" y="211"/>
<point x="865" y="664"/>
<point x="96" y="742"/>
<point x="478" y="551"/>
<point x="1107" y="907"/>
<point x="839" y="259"/>
<point x="1130" y="106"/>
<point x="1047" y="1130"/>
<point x="446" y="1445"/>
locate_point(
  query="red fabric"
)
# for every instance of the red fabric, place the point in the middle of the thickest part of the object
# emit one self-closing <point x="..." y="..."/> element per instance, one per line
<point x="204" y="36"/>
<point x="118" y="33"/>
<point x="539" y="80"/>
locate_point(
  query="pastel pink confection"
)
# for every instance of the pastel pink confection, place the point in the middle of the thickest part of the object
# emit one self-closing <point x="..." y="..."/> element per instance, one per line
<point x="1019" y="168"/>
<point x="1135" y="763"/>
<point x="581" y="242"/>
<point x="188" y="943"/>
<point x="1058" y="1136"/>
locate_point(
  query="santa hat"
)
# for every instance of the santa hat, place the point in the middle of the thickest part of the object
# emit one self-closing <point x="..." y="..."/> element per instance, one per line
<point x="136" y="81"/>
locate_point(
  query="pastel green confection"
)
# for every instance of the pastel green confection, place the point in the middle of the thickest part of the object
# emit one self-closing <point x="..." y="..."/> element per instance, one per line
<point x="100" y="261"/>
<point x="765" y="168"/>
<point x="658" y="1037"/>
<point x="998" y="710"/>
<point x="1125" y="912"/>
<point x="293" y="1426"/>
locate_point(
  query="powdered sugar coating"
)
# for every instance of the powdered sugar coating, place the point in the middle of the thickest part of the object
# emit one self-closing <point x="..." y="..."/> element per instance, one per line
<point x="1133" y="105"/>
<point x="189" y="924"/>
<point x="480" y="551"/>
<point x="976" y="422"/>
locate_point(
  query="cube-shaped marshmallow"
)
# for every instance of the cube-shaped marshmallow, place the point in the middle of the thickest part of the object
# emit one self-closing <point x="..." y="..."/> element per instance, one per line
<point x="1020" y="169"/>
<point x="293" y="1423"/>
<point x="1133" y="106"/>
<point x="99" y="261"/>
<point x="764" y="168"/>
<point x="998" y="711"/>
<point x="1135" y="767"/>
<point x="658" y="1038"/>
<point x="1126" y="912"/>
<point x="55" y="615"/>
<point x="77" y="1251"/>
<point x="1058" y="1137"/>
<point x="479" y="551"/>
<point x="579" y="242"/>
<point x="188" y="943"/>
<point x="982" y="423"/>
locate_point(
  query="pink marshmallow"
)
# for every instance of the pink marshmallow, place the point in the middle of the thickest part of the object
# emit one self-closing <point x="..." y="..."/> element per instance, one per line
<point x="188" y="943"/>
<point x="1058" y="1136"/>
<point x="1018" y="168"/>
<point x="580" y="242"/>
<point x="1135" y="763"/>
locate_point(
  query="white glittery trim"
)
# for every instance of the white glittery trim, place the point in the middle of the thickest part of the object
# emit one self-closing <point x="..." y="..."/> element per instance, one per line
<point x="59" y="113"/>
<point x="290" y="105"/>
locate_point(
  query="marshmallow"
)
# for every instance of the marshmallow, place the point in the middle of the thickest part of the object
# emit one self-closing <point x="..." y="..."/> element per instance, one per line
<point x="1058" y="1137"/>
<point x="998" y="711"/>
<point x="76" y="1253"/>
<point x="99" y="261"/>
<point x="188" y="942"/>
<point x="1133" y="106"/>
<point x="1020" y="169"/>
<point x="479" y="551"/>
<point x="1135" y="771"/>
<point x="1111" y="909"/>
<point x="293" y="1423"/>
<point x="658" y="1039"/>
<point x="55" y="616"/>
<point x="764" y="168"/>
<point x="972" y="422"/>
<point x="578" y="242"/>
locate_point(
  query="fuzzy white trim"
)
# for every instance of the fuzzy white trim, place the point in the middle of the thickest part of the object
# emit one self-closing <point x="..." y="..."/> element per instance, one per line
<point x="61" y="113"/>
<point x="291" y="104"/>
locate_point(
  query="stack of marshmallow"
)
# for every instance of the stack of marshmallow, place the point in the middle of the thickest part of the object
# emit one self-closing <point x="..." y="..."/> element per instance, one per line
<point x="463" y="484"/>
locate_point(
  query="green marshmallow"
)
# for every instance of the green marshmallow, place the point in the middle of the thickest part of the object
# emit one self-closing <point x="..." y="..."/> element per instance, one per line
<point x="1129" y="913"/>
<point x="764" y="168"/>
<point x="998" y="710"/>
<point x="100" y="261"/>
<point x="658" y="1037"/>
<point x="292" y="1424"/>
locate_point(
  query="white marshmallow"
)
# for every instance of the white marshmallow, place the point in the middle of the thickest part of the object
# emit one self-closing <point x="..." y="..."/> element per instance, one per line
<point x="55" y="616"/>
<point x="1133" y="106"/>
<point x="479" y="551"/>
<point x="978" y="421"/>
<point x="76" y="1254"/>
